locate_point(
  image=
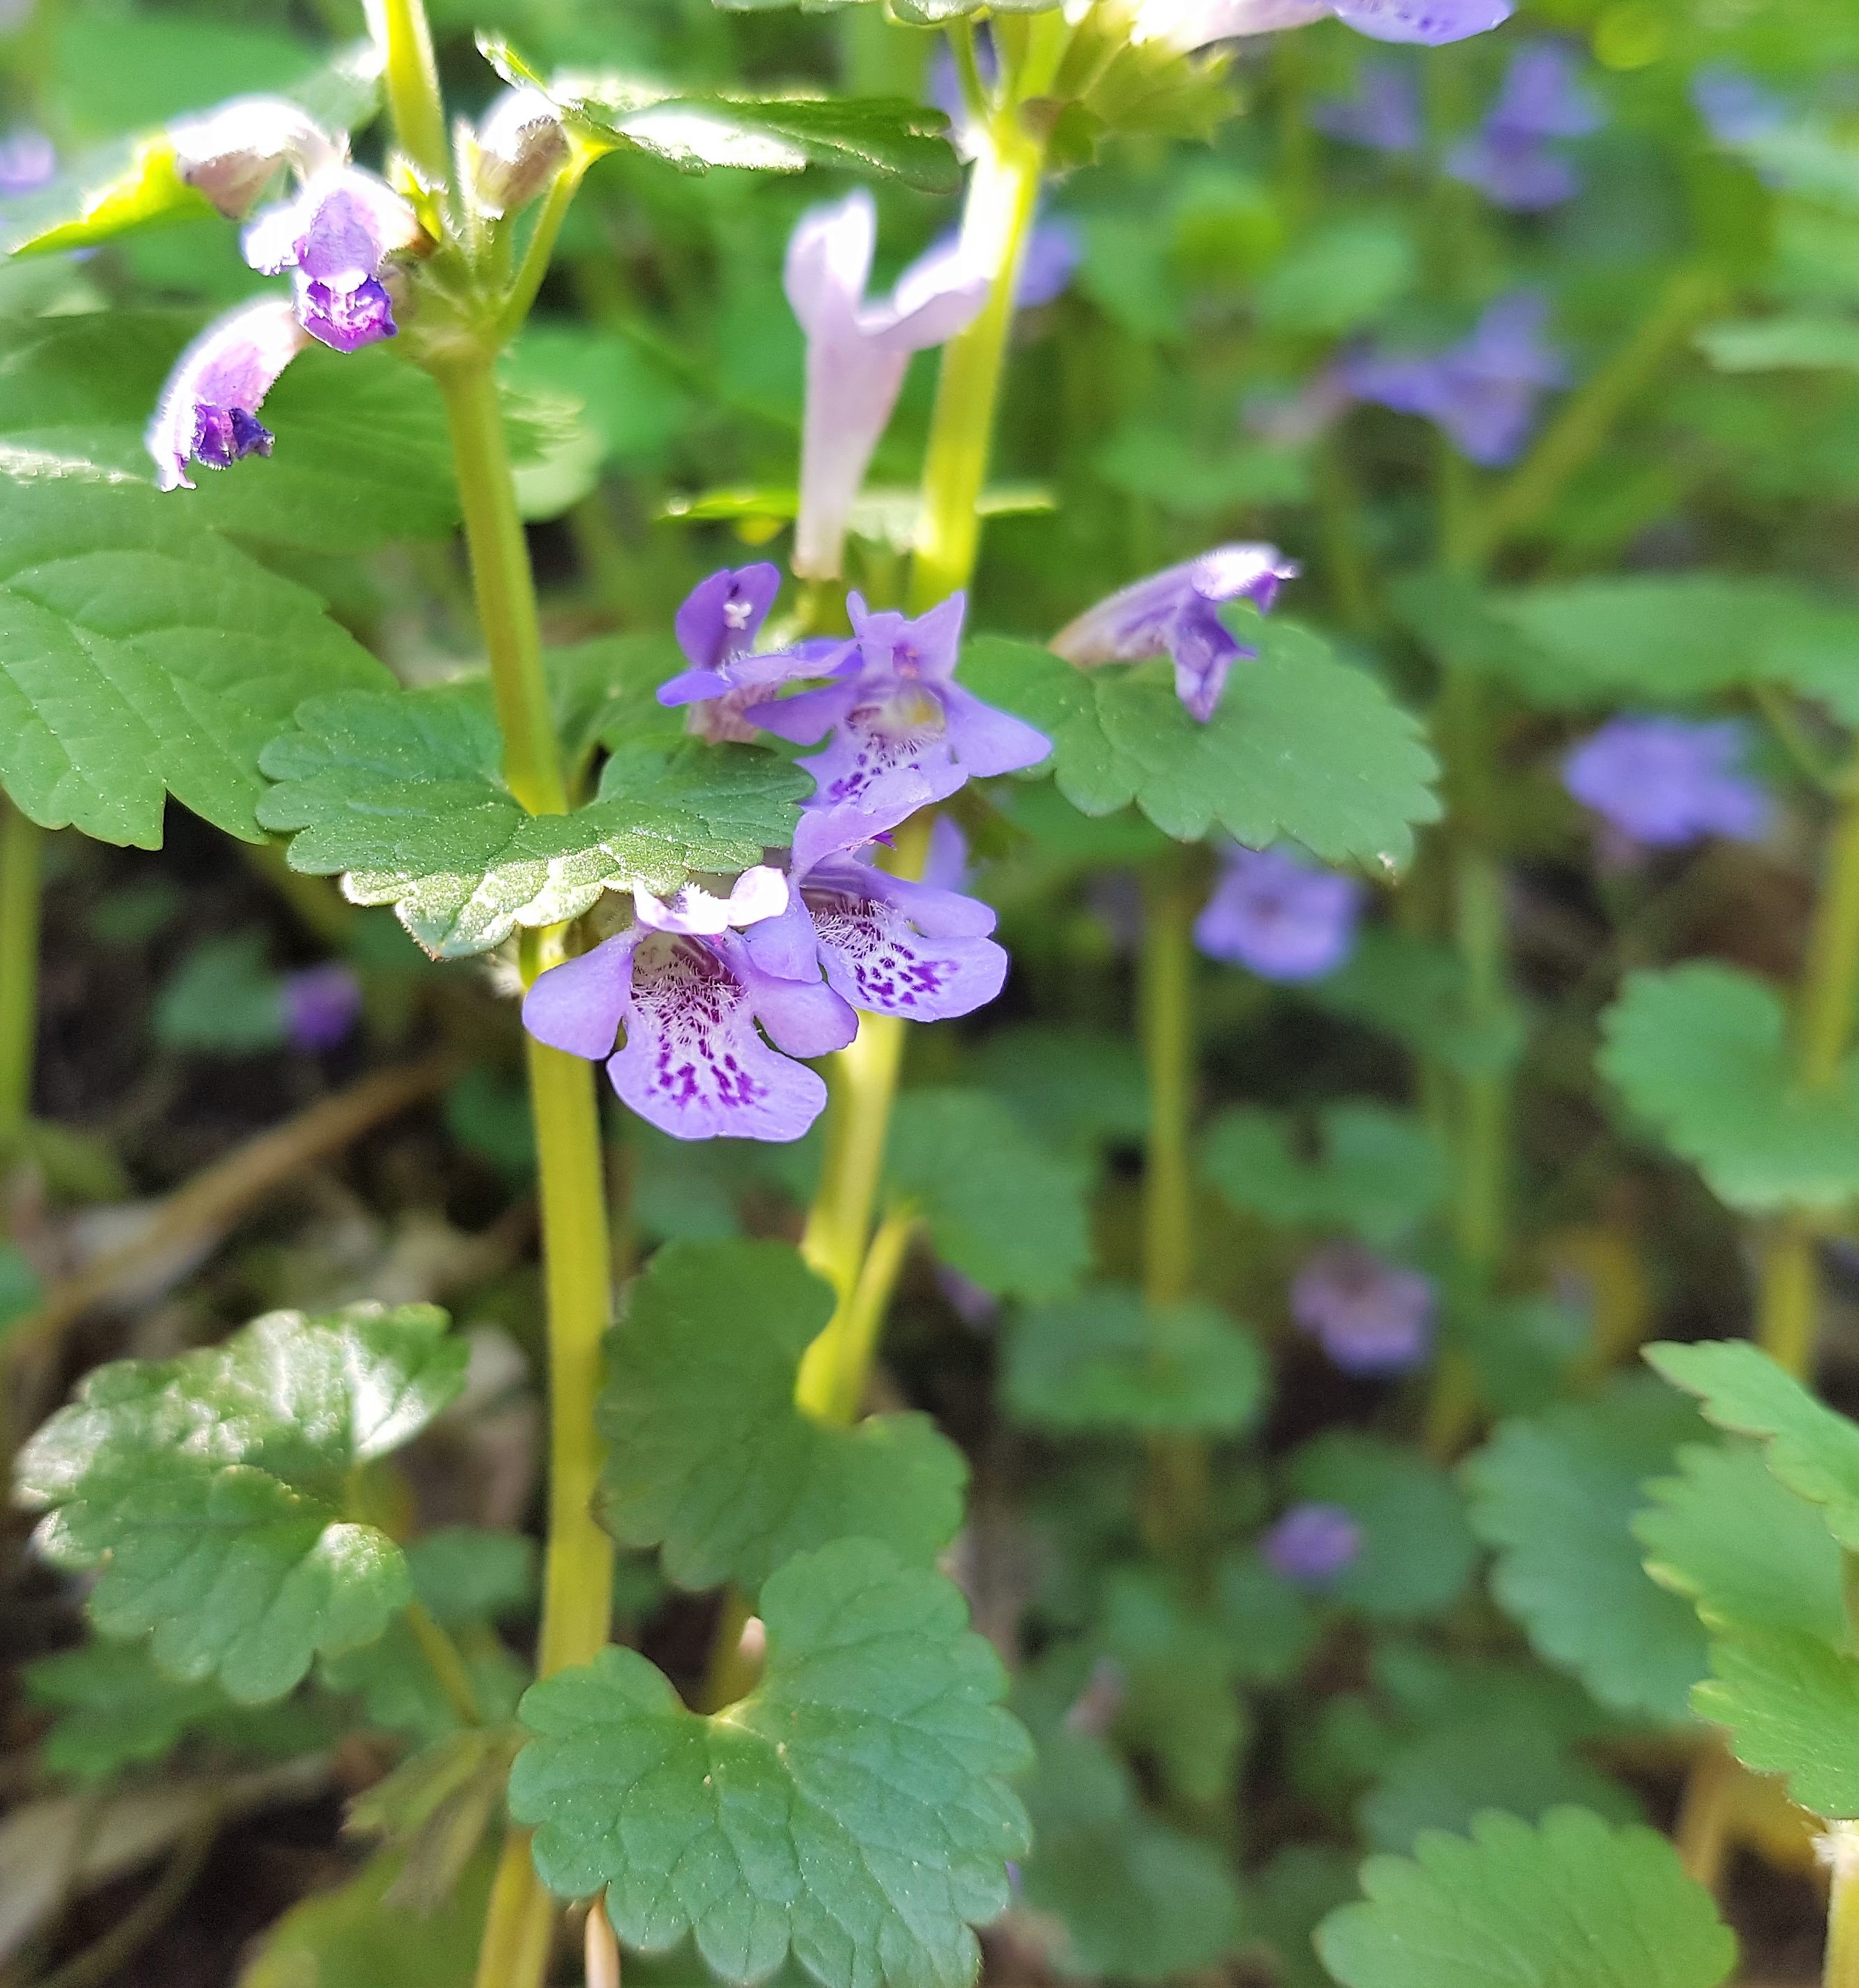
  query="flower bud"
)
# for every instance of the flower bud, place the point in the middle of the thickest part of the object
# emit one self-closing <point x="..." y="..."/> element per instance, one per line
<point x="518" y="148"/>
<point x="231" y="154"/>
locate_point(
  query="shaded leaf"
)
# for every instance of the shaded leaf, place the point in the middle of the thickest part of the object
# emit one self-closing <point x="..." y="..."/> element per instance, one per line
<point x="1417" y="1551"/>
<point x="1376" y="1171"/>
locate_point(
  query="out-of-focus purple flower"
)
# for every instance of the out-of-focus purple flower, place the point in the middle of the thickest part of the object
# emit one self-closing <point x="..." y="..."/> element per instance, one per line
<point x="946" y="863"/>
<point x="1736" y="109"/>
<point x="321" y="1004"/>
<point x="335" y="238"/>
<point x="208" y="410"/>
<point x="1483" y="391"/>
<point x="1371" y="1317"/>
<point x="857" y="354"/>
<point x="977" y="1309"/>
<point x="28" y="160"/>
<point x="1666" y="782"/>
<point x="1282" y="918"/>
<point x="694" y="1063"/>
<point x="1192" y="24"/>
<point x="1173" y="612"/>
<point x="231" y="154"/>
<point x="1509" y="159"/>
<point x="1048" y="263"/>
<point x="1294" y="421"/>
<point x="717" y="628"/>
<point x="518" y="146"/>
<point x="1383" y="114"/>
<point x="903" y="732"/>
<point x="1312" y="1544"/>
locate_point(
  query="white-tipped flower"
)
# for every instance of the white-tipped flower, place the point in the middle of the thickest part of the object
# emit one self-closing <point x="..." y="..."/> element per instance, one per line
<point x="518" y="146"/>
<point x="208" y="410"/>
<point x="232" y="154"/>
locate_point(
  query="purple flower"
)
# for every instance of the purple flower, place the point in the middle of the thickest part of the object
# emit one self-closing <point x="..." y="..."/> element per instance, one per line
<point x="1048" y="263"/>
<point x="518" y="146"/>
<point x="335" y="237"/>
<point x="946" y="864"/>
<point x="321" y="1004"/>
<point x="978" y="1309"/>
<point x="1371" y="1317"/>
<point x="856" y="356"/>
<point x="1312" y="1544"/>
<point x="232" y="154"/>
<point x="1383" y="114"/>
<point x="717" y="628"/>
<point x="1172" y="612"/>
<point x="689" y="995"/>
<point x="28" y="160"/>
<point x="1509" y="159"/>
<point x="208" y="410"/>
<point x="1483" y="391"/>
<point x="1282" y="918"/>
<point x="1666" y="782"/>
<point x="1735" y="107"/>
<point x="1191" y="24"/>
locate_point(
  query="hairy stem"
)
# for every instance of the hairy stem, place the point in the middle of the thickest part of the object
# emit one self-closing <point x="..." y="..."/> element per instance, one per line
<point x="400" y="31"/>
<point x="21" y="853"/>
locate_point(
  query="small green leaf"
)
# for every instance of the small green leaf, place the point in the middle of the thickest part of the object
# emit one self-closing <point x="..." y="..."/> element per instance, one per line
<point x="1555" y="1496"/>
<point x="708" y="1458"/>
<point x="222" y="997"/>
<point x="1376" y="1171"/>
<point x="852" y="1807"/>
<point x="149" y="190"/>
<point x="1080" y="1088"/>
<point x="1569" y="1904"/>
<point x="1417" y="1551"/>
<point x="1102" y="1361"/>
<point x="1302" y="745"/>
<point x="401" y="793"/>
<point x="1339" y="277"/>
<point x="1813" y="1451"/>
<point x="209" y="1490"/>
<point x="433" y="1810"/>
<point x="1701" y="1053"/>
<point x="1792" y="1706"/>
<point x="1286" y="1900"/>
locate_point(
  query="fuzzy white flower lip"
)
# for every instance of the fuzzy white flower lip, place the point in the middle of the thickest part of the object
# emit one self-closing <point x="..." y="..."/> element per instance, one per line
<point x="232" y="153"/>
<point x="208" y="410"/>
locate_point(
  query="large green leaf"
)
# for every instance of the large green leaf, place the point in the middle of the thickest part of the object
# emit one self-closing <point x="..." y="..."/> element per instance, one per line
<point x="1792" y="1705"/>
<point x="1302" y="745"/>
<point x="401" y="794"/>
<point x="141" y="655"/>
<point x="1702" y="1053"/>
<point x="1570" y="1904"/>
<point x="1376" y="1172"/>
<point x="853" y="1807"/>
<point x="708" y="1458"/>
<point x="209" y="1491"/>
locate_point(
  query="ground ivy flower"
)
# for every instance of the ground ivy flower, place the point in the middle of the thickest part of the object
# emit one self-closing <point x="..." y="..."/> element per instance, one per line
<point x="717" y="628"/>
<point x="1382" y="113"/>
<point x="335" y="238"/>
<point x="232" y="154"/>
<point x="321" y="1006"/>
<point x="1192" y="24"/>
<point x="208" y="410"/>
<point x="519" y="145"/>
<point x="1174" y="613"/>
<point x="1508" y="159"/>
<point x="857" y="354"/>
<point x="1483" y="391"/>
<point x="1053" y="249"/>
<point x="1370" y="1317"/>
<point x="1279" y="916"/>
<point x="1312" y="1544"/>
<point x="1667" y="783"/>
<point x="1735" y="108"/>
<point x="28" y="160"/>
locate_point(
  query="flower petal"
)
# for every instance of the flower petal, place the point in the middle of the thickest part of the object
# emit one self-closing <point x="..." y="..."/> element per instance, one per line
<point x="878" y="955"/>
<point x="207" y="411"/>
<point x="758" y="894"/>
<point x="1430" y="22"/>
<point x="578" y="1006"/>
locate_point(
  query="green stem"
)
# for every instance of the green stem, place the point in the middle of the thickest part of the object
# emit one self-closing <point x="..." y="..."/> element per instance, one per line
<point x="833" y="1386"/>
<point x="1842" y="1964"/>
<point x="400" y="30"/>
<point x="21" y="853"/>
<point x="442" y="1653"/>
<point x="1165" y="1006"/>
<point x="534" y="266"/>
<point x="1484" y="1107"/>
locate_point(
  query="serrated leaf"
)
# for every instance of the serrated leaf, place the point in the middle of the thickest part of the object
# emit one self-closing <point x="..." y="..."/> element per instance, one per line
<point x="1376" y="1171"/>
<point x="1813" y="1451"/>
<point x="1569" y="1904"/>
<point x="708" y="1458"/>
<point x="1101" y="1360"/>
<point x="1555" y="1496"/>
<point x="1000" y="1208"/>
<point x="853" y="1807"/>
<point x="1769" y="344"/>
<point x="141" y="655"/>
<point x="1791" y="1703"/>
<point x="209" y="1490"/>
<point x="1417" y="1551"/>
<point x="401" y="794"/>
<point x="1302" y="745"/>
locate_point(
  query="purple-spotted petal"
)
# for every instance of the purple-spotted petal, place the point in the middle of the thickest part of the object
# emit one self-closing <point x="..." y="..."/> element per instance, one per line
<point x="208" y="410"/>
<point x="1430" y="22"/>
<point x="345" y="319"/>
<point x="578" y="1006"/>
<point x="894" y="947"/>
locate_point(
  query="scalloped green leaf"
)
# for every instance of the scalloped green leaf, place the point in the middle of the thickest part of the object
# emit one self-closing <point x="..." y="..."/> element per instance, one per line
<point x="1374" y="1171"/>
<point x="1302" y="745"/>
<point x="1791" y="1703"/>
<point x="853" y="1809"/>
<point x="208" y="1492"/>
<point x="708" y="1458"/>
<point x="401" y="795"/>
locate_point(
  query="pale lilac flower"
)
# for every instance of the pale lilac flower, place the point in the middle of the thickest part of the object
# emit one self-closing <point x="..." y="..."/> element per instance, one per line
<point x="232" y="154"/>
<point x="717" y="628"/>
<point x="1371" y="1317"/>
<point x="321" y="1006"/>
<point x="518" y="146"/>
<point x="1736" y="109"/>
<point x="1312" y="1544"/>
<point x="1184" y="25"/>
<point x="1053" y="249"/>
<point x="1174" y="612"/>
<point x="208" y="410"/>
<point x="946" y="863"/>
<point x="1383" y="114"/>
<point x="1279" y="916"/>
<point x="1508" y="159"/>
<point x="335" y="237"/>
<point x="1667" y="783"/>
<point x="28" y="160"/>
<point x="1483" y="391"/>
<point x="857" y="354"/>
<point x="756" y="894"/>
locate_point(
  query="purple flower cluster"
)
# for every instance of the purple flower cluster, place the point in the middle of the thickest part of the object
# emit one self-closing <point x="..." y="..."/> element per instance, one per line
<point x="798" y="947"/>
<point x="321" y="1004"/>
<point x="1279" y="916"/>
<point x="1383" y="114"/>
<point x="1192" y="24"/>
<point x="1661" y="783"/>
<point x="1372" y="1317"/>
<point x="1510" y="159"/>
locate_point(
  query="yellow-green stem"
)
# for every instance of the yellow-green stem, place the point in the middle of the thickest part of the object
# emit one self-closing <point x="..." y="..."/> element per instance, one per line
<point x="1165" y="970"/>
<point x="839" y="1395"/>
<point x="1484" y="1157"/>
<point x="412" y="80"/>
<point x="520" y="1923"/>
<point x="442" y="1653"/>
<point x="21" y="855"/>
<point x="1841" y="1969"/>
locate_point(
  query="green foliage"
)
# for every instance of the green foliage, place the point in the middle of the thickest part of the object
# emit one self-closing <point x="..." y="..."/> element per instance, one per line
<point x="210" y="1490"/>
<point x="1417" y="1552"/>
<point x="1571" y="1904"/>
<point x="1340" y="277"/>
<point x="1766" y="344"/>
<point x="401" y="793"/>
<point x="852" y="1807"/>
<point x="1792" y="1706"/>
<point x="1102" y="1359"/>
<point x="221" y="997"/>
<point x="1376" y="1172"/>
<point x="1416" y="991"/>
<point x="1078" y="1087"/>
<point x="1555" y="1495"/>
<point x="432" y="1812"/>
<point x="708" y="1458"/>
<point x="1302" y="745"/>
